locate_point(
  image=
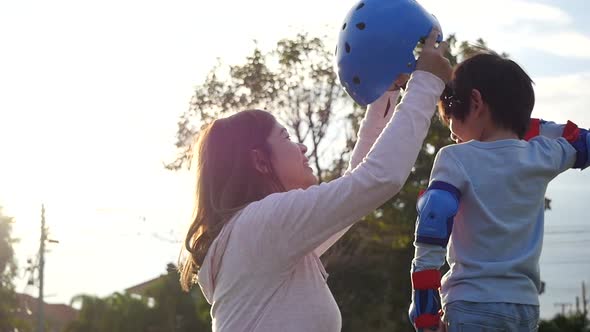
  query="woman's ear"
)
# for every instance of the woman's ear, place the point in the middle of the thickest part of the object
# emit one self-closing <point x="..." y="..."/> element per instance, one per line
<point x="260" y="161"/>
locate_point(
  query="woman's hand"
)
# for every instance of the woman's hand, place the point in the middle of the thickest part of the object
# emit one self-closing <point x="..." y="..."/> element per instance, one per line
<point x="432" y="59"/>
<point x="400" y="82"/>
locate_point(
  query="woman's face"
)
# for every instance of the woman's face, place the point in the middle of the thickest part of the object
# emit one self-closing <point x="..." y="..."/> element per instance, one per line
<point x="289" y="161"/>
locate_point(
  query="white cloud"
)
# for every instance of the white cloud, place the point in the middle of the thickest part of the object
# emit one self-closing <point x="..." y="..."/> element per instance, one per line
<point x="481" y="14"/>
<point x="530" y="11"/>
<point x="565" y="43"/>
<point x="513" y="25"/>
<point x="562" y="98"/>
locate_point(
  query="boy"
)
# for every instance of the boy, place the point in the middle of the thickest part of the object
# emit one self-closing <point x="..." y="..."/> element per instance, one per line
<point x="485" y="202"/>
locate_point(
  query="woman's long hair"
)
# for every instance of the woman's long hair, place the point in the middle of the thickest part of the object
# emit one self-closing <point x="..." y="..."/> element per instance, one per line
<point x="227" y="180"/>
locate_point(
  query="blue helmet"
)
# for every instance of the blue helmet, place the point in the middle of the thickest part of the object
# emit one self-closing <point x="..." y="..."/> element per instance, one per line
<point x="376" y="44"/>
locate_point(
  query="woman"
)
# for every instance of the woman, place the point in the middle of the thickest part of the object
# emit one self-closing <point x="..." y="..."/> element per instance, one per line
<point x="262" y="222"/>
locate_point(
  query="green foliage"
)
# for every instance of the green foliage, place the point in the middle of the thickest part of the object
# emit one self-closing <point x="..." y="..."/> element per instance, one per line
<point x="174" y="309"/>
<point x="119" y="312"/>
<point x="162" y="307"/>
<point x="7" y="262"/>
<point x="295" y="82"/>
<point x="8" y="269"/>
<point x="561" y="323"/>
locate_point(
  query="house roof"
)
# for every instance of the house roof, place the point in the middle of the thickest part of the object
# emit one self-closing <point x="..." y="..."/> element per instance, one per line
<point x="140" y="289"/>
<point x="57" y="315"/>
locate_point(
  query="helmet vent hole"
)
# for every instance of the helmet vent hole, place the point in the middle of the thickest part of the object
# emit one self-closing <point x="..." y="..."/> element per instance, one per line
<point x="361" y="5"/>
<point x="361" y="26"/>
<point x="356" y="80"/>
<point x="336" y="50"/>
<point x="344" y="26"/>
<point x="347" y="46"/>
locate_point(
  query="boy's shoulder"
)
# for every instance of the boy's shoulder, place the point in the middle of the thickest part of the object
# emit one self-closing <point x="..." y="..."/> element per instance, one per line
<point x="455" y="150"/>
<point x="451" y="155"/>
<point x="542" y="140"/>
<point x="461" y="152"/>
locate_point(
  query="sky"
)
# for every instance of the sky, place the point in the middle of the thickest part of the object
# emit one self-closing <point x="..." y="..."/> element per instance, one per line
<point x="91" y="91"/>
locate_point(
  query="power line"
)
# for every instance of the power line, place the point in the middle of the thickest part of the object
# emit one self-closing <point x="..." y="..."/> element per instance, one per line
<point x="581" y="261"/>
<point x="567" y="241"/>
<point x="561" y="226"/>
<point x="564" y="288"/>
<point x="566" y="244"/>
<point x="562" y="232"/>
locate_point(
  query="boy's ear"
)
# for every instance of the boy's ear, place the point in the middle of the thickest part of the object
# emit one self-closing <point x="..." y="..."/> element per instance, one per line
<point x="477" y="103"/>
<point x="260" y="161"/>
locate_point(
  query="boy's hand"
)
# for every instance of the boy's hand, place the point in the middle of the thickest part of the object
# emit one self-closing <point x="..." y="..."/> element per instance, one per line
<point x="432" y="59"/>
<point x="442" y="327"/>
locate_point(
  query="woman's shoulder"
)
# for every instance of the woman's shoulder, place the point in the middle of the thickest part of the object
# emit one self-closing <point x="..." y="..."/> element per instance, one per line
<point x="257" y="212"/>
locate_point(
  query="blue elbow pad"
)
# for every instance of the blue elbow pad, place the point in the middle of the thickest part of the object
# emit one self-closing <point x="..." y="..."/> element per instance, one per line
<point x="578" y="138"/>
<point x="437" y="208"/>
<point x="582" y="146"/>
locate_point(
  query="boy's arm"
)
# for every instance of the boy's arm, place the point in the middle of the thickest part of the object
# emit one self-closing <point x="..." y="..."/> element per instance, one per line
<point x="437" y="208"/>
<point x="579" y="138"/>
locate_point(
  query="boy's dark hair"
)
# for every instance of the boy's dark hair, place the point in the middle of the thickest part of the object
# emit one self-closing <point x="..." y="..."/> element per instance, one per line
<point x="503" y="85"/>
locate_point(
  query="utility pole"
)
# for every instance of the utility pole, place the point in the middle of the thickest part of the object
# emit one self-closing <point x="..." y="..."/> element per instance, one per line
<point x="584" y="300"/>
<point x="41" y="268"/>
<point x="40" y="313"/>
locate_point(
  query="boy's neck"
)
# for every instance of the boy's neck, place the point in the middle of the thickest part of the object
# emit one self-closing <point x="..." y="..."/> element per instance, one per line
<point x="496" y="134"/>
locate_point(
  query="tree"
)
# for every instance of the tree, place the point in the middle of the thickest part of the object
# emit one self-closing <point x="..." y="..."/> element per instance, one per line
<point x="8" y="271"/>
<point x="295" y="82"/>
<point x="174" y="309"/>
<point x="561" y="323"/>
<point x="94" y="316"/>
<point x="162" y="307"/>
<point x="369" y="267"/>
<point x="7" y="262"/>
